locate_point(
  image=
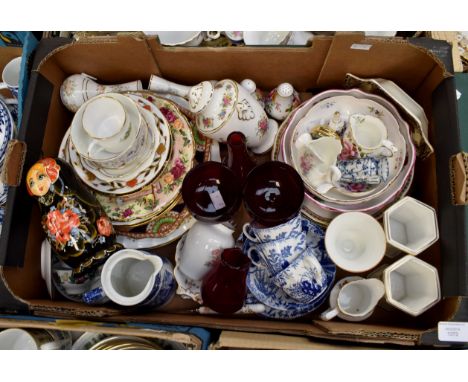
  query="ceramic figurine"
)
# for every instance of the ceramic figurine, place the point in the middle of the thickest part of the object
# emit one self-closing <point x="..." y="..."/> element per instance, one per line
<point x="79" y="231"/>
<point x="223" y="108"/>
<point x="336" y="122"/>
<point x="78" y="88"/>
<point x="281" y="101"/>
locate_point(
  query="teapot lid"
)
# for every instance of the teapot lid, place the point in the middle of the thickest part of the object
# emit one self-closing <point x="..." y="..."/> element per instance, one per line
<point x="200" y="95"/>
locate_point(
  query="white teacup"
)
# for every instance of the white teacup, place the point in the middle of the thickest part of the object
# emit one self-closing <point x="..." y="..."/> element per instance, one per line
<point x="11" y="76"/>
<point x="32" y="339"/>
<point x="411" y="226"/>
<point x="355" y="241"/>
<point x="291" y="229"/>
<point x="356" y="300"/>
<point x="370" y="135"/>
<point x="105" y="120"/>
<point x="202" y="247"/>
<point x="266" y="38"/>
<point x="411" y="285"/>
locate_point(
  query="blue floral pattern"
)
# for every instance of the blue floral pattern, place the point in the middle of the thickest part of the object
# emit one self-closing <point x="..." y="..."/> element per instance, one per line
<point x="279" y="304"/>
<point x="6" y="128"/>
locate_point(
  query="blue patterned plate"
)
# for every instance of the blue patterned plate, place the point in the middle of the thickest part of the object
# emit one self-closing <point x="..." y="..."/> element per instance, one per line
<point x="283" y="306"/>
<point x="7" y="127"/>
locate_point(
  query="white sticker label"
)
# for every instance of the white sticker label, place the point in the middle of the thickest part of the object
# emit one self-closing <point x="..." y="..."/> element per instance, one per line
<point x="453" y="331"/>
<point x="458" y="94"/>
<point x="217" y="200"/>
<point x="361" y="46"/>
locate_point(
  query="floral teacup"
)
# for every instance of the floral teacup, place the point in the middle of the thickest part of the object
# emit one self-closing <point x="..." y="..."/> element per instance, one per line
<point x="304" y="279"/>
<point x="278" y="254"/>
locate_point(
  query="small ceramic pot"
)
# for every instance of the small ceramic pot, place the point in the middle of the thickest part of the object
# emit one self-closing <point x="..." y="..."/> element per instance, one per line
<point x="304" y="279"/>
<point x="273" y="193"/>
<point x="281" y="101"/>
<point x="78" y="88"/>
<point x="367" y="170"/>
<point x="356" y="300"/>
<point x="223" y="108"/>
<point x="412" y="285"/>
<point x="235" y="37"/>
<point x="411" y="226"/>
<point x="202" y="248"/>
<point x="11" y="76"/>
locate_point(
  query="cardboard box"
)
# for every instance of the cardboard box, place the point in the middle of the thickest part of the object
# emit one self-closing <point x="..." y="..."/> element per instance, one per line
<point x="188" y="338"/>
<point x="310" y="69"/>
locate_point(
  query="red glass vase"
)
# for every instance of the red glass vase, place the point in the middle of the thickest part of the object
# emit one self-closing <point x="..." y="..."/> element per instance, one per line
<point x="239" y="159"/>
<point x="224" y="288"/>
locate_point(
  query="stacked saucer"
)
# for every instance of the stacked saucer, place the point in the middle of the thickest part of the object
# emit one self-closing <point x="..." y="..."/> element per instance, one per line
<point x="294" y="287"/>
<point x="353" y="151"/>
<point x="133" y="150"/>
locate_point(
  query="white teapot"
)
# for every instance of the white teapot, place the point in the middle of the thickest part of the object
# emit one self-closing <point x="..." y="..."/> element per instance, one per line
<point x="223" y="107"/>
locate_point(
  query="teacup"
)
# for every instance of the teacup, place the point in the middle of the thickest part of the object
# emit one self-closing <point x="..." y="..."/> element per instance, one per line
<point x="105" y="120"/>
<point x="32" y="339"/>
<point x="291" y="229"/>
<point x="369" y="134"/>
<point x="304" y="279"/>
<point x="202" y="247"/>
<point x="278" y="254"/>
<point x="11" y="76"/>
<point x="178" y="38"/>
<point x="356" y="300"/>
<point x="368" y="170"/>
<point x="266" y="38"/>
<point x="355" y="241"/>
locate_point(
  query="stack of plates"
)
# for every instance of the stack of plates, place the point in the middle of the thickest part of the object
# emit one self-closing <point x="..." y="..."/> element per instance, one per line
<point x="322" y="207"/>
<point x="142" y="191"/>
<point x="125" y="343"/>
<point x="7" y="128"/>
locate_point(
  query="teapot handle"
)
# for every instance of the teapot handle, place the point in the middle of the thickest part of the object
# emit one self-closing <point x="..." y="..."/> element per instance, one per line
<point x="160" y="85"/>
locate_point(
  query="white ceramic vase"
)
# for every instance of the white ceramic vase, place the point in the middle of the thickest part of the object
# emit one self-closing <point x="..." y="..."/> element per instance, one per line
<point x="78" y="88"/>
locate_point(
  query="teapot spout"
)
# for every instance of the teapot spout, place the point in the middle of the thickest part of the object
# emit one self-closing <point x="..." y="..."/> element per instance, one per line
<point x="160" y="85"/>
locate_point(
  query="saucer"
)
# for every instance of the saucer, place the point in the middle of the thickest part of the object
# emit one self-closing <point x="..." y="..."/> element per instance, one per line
<point x="264" y="290"/>
<point x="7" y="128"/>
<point x="334" y="298"/>
<point x="164" y="191"/>
<point x="186" y="287"/>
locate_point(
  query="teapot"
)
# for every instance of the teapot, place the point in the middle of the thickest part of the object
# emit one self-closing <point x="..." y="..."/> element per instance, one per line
<point x="223" y="107"/>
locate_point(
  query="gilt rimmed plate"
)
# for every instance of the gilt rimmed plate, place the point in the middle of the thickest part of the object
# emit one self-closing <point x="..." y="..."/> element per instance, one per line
<point x="164" y="191"/>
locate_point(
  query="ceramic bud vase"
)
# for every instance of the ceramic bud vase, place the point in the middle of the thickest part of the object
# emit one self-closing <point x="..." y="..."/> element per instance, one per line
<point x="76" y="226"/>
<point x="223" y="108"/>
<point x="239" y="159"/>
<point x="78" y="88"/>
<point x="281" y="101"/>
<point x="224" y="287"/>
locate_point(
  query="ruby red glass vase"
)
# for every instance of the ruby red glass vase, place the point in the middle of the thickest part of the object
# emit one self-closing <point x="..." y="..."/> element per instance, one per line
<point x="239" y="159"/>
<point x="224" y="288"/>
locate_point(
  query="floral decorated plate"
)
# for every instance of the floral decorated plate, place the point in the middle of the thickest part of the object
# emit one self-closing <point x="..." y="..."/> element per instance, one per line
<point x="321" y="113"/>
<point x="164" y="191"/>
<point x="368" y="204"/>
<point x="264" y="290"/>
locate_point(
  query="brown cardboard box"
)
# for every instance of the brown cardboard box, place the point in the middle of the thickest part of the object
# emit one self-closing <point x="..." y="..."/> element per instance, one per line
<point x="310" y="69"/>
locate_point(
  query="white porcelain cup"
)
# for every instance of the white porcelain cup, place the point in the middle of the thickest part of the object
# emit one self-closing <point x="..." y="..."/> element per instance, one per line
<point x="411" y="226"/>
<point x="412" y="285"/>
<point x="355" y="241"/>
<point x="11" y="76"/>
<point x="31" y="339"/>
<point x="266" y="37"/>
<point x="202" y="247"/>
<point x="356" y="300"/>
